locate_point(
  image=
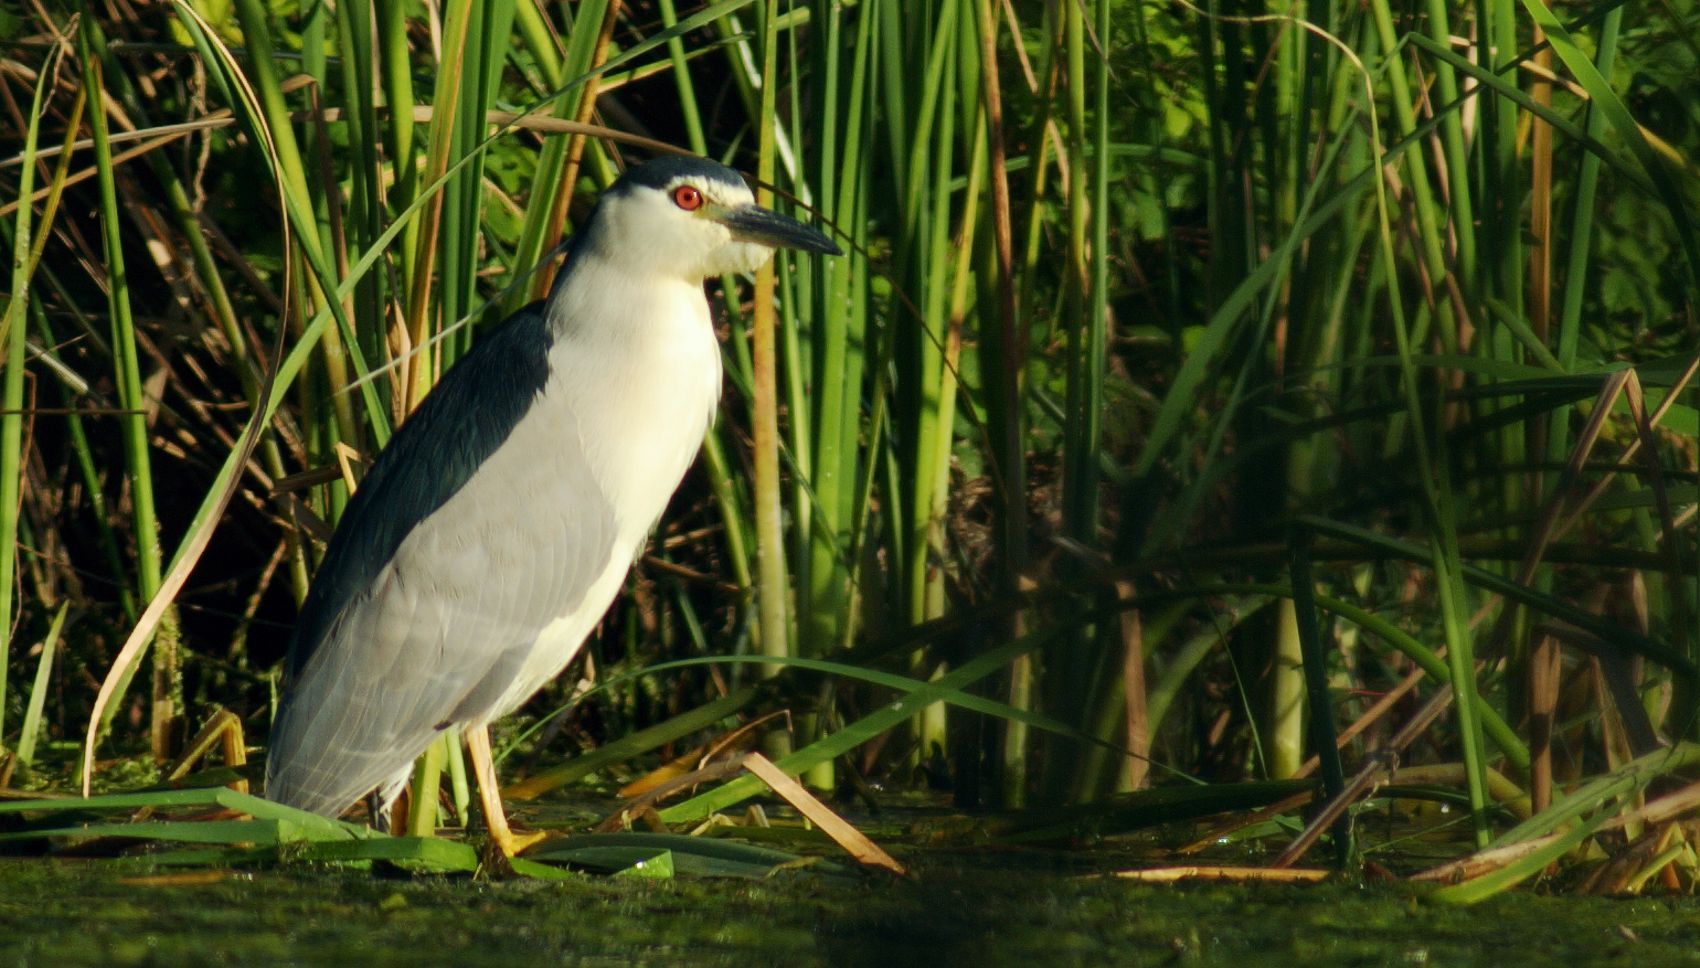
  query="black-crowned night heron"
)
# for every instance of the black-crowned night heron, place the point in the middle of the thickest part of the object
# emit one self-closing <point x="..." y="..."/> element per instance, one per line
<point x="492" y="533"/>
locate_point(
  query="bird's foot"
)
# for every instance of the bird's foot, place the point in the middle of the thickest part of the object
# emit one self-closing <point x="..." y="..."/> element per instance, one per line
<point x="512" y="843"/>
<point x="498" y="852"/>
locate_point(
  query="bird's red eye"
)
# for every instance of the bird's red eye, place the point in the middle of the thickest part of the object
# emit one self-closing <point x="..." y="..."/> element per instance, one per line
<point x="687" y="198"/>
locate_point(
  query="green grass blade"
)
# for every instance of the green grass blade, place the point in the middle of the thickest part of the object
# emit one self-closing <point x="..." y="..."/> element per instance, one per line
<point x="31" y="729"/>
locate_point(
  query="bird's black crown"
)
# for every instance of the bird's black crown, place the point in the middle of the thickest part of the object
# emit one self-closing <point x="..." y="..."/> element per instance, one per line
<point x="664" y="171"/>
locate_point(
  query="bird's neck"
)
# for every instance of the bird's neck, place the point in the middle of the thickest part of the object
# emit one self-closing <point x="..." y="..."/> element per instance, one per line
<point x="635" y="370"/>
<point x="603" y="298"/>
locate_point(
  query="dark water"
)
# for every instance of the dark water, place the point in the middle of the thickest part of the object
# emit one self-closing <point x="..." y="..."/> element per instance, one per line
<point x="979" y="908"/>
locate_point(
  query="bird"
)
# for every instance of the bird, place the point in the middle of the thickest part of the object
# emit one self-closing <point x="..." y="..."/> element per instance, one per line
<point x="493" y="532"/>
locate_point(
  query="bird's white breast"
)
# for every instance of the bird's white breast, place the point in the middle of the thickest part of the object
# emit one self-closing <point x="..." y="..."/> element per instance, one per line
<point x="641" y="383"/>
<point x="632" y="389"/>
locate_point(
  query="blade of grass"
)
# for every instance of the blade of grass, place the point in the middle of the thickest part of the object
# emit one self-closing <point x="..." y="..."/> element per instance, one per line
<point x="12" y="337"/>
<point x="133" y="428"/>
<point x="31" y="729"/>
<point x="772" y="580"/>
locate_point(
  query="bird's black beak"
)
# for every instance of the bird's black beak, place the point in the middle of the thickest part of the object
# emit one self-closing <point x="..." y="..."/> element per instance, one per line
<point x="751" y="223"/>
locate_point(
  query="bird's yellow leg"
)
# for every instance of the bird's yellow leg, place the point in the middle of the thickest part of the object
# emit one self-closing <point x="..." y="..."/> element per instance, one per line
<point x="490" y="795"/>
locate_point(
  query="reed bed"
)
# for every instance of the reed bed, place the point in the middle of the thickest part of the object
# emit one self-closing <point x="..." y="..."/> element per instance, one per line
<point x="1209" y="394"/>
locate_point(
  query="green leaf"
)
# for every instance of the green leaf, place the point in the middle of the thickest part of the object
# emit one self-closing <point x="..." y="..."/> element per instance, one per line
<point x="671" y="854"/>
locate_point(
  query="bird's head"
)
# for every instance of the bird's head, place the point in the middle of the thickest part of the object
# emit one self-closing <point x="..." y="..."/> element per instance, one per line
<point x="692" y="218"/>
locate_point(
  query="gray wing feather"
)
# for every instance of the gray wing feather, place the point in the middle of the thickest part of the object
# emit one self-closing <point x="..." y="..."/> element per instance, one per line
<point x="444" y="630"/>
<point x="470" y="534"/>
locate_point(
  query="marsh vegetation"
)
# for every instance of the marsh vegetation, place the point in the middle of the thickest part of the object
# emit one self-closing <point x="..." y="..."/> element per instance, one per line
<point x="1280" y="413"/>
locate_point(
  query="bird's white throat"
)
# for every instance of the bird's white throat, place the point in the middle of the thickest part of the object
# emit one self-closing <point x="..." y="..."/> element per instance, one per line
<point x="636" y="371"/>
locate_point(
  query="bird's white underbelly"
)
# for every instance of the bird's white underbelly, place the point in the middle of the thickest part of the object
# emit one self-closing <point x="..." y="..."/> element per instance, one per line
<point x="634" y="407"/>
<point x="559" y="641"/>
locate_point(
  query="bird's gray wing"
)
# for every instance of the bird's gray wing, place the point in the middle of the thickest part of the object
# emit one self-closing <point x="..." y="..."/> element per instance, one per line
<point x="470" y="413"/>
<point x="467" y="538"/>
